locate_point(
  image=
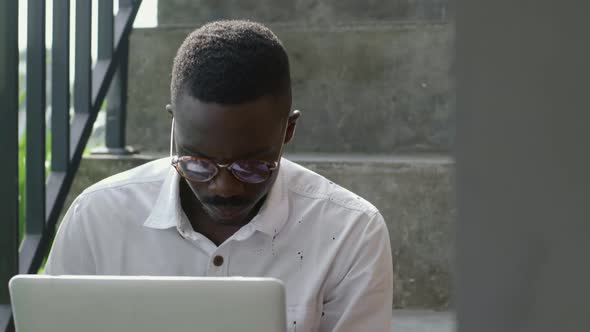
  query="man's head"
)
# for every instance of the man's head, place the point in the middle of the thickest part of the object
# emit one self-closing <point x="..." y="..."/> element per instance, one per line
<point x="231" y="100"/>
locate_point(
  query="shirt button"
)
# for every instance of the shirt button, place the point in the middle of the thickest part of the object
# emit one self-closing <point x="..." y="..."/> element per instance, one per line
<point x="218" y="260"/>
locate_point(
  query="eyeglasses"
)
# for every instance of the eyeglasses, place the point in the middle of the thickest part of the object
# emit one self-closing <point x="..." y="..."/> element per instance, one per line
<point x="204" y="170"/>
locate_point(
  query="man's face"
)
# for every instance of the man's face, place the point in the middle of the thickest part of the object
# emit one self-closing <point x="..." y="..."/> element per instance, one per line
<point x="225" y="133"/>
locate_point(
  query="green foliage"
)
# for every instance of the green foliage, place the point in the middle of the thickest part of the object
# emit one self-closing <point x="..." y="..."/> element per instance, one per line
<point x="22" y="92"/>
<point x="21" y="97"/>
<point x="21" y="185"/>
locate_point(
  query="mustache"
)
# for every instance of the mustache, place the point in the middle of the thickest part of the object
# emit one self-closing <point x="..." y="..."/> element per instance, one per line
<point x="225" y="201"/>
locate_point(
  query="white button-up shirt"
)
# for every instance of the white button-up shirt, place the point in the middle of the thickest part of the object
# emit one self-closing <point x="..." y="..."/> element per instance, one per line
<point x="330" y="247"/>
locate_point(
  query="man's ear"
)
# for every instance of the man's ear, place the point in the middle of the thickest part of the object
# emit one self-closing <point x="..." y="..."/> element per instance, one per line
<point x="292" y="122"/>
<point x="169" y="109"/>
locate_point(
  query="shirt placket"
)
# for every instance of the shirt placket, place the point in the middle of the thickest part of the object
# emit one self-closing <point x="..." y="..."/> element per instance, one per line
<point x="220" y="258"/>
<point x="219" y="262"/>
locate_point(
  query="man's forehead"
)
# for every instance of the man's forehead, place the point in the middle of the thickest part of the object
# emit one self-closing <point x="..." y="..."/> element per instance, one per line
<point x="192" y="113"/>
<point x="226" y="131"/>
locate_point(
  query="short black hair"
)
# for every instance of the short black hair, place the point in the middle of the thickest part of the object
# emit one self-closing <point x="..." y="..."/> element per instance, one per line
<point x="231" y="62"/>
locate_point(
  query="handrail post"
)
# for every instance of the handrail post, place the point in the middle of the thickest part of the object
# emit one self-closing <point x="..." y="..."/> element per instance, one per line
<point x="60" y="87"/>
<point x="116" y="106"/>
<point x="82" y="71"/>
<point x="9" y="146"/>
<point x="35" y="146"/>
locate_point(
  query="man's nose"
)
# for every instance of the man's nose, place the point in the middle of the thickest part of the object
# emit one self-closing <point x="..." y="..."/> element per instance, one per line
<point x="225" y="184"/>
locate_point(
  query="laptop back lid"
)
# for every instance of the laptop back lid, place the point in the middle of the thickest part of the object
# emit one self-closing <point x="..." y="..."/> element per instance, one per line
<point x="147" y="304"/>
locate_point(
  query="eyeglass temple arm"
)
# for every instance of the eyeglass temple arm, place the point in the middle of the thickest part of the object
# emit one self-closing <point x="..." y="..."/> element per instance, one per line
<point x="171" y="138"/>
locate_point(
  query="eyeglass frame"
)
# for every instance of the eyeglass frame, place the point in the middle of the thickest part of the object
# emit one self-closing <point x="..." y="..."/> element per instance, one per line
<point x="175" y="160"/>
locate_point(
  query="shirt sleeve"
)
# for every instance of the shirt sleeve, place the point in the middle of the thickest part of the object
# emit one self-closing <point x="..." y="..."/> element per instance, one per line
<point x="71" y="251"/>
<point x="362" y="299"/>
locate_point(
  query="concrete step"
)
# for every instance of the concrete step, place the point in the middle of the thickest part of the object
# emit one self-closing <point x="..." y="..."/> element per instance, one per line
<point x="423" y="321"/>
<point x="378" y="88"/>
<point x="302" y="11"/>
<point x="414" y="194"/>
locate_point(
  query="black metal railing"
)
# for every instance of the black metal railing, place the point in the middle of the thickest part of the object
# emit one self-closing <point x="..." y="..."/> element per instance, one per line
<point x="45" y="195"/>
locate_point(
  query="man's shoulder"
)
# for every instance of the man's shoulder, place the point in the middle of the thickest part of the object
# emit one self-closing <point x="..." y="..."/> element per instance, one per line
<point x="120" y="202"/>
<point x="306" y="183"/>
<point x="148" y="174"/>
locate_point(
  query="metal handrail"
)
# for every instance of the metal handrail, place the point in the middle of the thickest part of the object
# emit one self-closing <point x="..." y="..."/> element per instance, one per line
<point x="45" y="196"/>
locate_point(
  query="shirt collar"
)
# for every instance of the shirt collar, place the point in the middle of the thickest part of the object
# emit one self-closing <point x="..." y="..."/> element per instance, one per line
<point x="167" y="211"/>
<point x="274" y="213"/>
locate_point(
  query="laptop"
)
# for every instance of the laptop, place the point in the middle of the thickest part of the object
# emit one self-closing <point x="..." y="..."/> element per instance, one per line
<point x="43" y="303"/>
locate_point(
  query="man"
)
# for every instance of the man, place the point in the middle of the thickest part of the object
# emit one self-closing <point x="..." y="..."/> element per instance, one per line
<point x="225" y="202"/>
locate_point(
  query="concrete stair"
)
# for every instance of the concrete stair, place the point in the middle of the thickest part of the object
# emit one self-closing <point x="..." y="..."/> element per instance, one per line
<point x="372" y="79"/>
<point x="413" y="192"/>
<point x="422" y="321"/>
<point x="307" y="12"/>
<point x="375" y="88"/>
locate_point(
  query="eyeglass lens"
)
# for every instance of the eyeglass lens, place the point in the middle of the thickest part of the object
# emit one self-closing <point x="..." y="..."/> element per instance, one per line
<point x="245" y="170"/>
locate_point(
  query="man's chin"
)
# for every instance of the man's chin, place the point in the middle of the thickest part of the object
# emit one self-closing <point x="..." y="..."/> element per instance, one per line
<point x="230" y="215"/>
